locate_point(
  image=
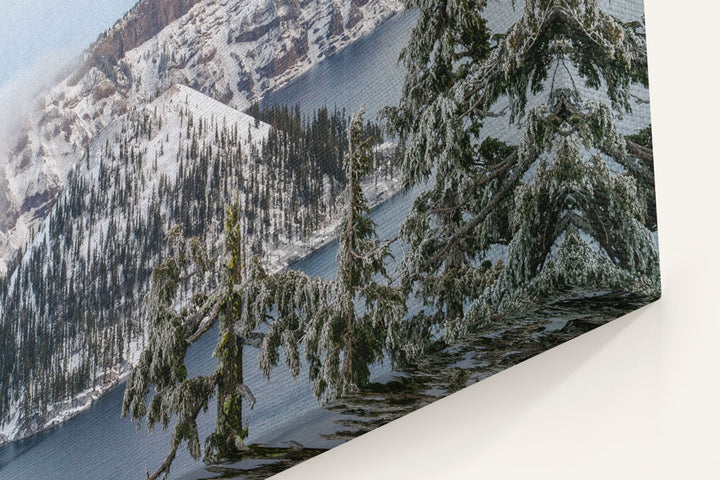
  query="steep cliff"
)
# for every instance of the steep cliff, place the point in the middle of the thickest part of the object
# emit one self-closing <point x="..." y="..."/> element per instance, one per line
<point x="233" y="51"/>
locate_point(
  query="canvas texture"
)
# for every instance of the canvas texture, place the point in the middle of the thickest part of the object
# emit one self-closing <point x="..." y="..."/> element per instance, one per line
<point x="236" y="234"/>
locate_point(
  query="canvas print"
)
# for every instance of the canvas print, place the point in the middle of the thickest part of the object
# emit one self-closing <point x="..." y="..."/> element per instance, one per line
<point x="237" y="233"/>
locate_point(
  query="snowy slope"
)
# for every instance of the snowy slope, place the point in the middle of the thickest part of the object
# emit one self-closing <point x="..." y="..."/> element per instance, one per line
<point x="116" y="185"/>
<point x="71" y="313"/>
<point x="233" y="51"/>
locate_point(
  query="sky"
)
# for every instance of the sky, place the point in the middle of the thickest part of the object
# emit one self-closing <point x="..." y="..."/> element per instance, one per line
<point x="36" y="31"/>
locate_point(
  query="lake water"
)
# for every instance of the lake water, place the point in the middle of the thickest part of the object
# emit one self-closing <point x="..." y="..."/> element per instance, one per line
<point x="98" y="443"/>
<point x="365" y="73"/>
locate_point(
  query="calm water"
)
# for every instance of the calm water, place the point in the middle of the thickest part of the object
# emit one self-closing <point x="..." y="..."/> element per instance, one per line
<point x="98" y="443"/>
<point x="365" y="73"/>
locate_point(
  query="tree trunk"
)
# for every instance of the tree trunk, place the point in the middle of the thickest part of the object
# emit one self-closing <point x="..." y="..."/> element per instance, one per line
<point x="454" y="309"/>
<point x="229" y="427"/>
<point x="229" y="431"/>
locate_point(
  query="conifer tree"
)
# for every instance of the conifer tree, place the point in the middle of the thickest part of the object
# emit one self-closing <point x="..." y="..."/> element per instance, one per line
<point x="240" y="304"/>
<point x="348" y="323"/>
<point x="449" y="37"/>
<point x="344" y="325"/>
<point x="566" y="219"/>
<point x="363" y="314"/>
<point x="162" y="363"/>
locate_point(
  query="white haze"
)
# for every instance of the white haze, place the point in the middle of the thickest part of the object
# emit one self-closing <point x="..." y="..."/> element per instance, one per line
<point x="24" y="94"/>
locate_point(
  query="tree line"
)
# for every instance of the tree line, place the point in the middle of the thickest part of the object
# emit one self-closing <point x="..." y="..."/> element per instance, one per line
<point x="71" y="309"/>
<point x="566" y="209"/>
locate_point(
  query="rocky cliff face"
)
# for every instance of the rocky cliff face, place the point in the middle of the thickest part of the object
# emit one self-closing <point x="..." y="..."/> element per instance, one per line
<point x="233" y="51"/>
<point x="142" y="23"/>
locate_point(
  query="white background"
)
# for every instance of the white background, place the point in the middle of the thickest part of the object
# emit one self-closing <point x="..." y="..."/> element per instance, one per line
<point x="638" y="398"/>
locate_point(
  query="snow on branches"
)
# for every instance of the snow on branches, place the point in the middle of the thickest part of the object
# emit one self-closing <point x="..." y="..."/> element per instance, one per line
<point x="571" y="203"/>
<point x="343" y="326"/>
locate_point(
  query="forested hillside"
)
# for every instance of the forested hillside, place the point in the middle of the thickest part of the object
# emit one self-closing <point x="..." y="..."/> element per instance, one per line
<point x="71" y="314"/>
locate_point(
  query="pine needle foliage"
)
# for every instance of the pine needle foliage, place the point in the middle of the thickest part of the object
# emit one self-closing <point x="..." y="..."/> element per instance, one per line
<point x="343" y="326"/>
<point x="572" y="203"/>
<point x="240" y="306"/>
<point x="347" y="324"/>
<point x="362" y="314"/>
<point x="450" y="37"/>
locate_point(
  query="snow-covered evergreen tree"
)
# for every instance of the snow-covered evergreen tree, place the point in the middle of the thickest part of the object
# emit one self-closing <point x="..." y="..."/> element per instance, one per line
<point x="241" y="306"/>
<point x="577" y="225"/>
<point x="568" y="217"/>
<point x="363" y="314"/>
<point x="449" y="38"/>
<point x="350" y="322"/>
<point x="70" y="313"/>
<point x="343" y="325"/>
<point x="162" y="363"/>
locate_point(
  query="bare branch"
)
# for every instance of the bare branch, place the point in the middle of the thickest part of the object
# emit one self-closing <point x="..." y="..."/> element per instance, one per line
<point x="499" y="196"/>
<point x="208" y="321"/>
<point x="500" y="170"/>
<point x="164" y="469"/>
<point x="640" y="100"/>
<point x="495" y="114"/>
<point x="375" y="250"/>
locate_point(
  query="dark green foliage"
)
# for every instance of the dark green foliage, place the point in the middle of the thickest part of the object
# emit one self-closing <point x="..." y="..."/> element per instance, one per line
<point x="344" y="326"/>
<point x="583" y="225"/>
<point x="449" y="38"/>
<point x="347" y="324"/>
<point x="641" y="166"/>
<point x="162" y="367"/>
<point x="239" y="305"/>
<point x="361" y="314"/>
<point x="566" y="210"/>
<point x="72" y="310"/>
<point x="643" y="137"/>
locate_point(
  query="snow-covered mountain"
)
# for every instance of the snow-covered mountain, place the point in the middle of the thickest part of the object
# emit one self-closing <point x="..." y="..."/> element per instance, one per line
<point x="234" y="51"/>
<point x="71" y="316"/>
<point x="81" y="254"/>
<point x="146" y="133"/>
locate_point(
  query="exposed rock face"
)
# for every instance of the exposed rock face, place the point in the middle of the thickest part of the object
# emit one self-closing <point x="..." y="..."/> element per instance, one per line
<point x="8" y="211"/>
<point x="104" y="90"/>
<point x="355" y="17"/>
<point x="234" y="51"/>
<point x="257" y="33"/>
<point x="336" y="23"/>
<point x="356" y="13"/>
<point x="298" y="49"/>
<point x="142" y="23"/>
<point x="40" y="203"/>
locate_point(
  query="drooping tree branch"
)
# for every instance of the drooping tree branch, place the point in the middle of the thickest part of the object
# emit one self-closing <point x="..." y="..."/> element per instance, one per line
<point x="501" y="195"/>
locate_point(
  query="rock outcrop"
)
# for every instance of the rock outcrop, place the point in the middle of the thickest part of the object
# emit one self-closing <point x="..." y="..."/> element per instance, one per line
<point x="233" y="51"/>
